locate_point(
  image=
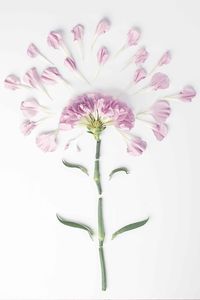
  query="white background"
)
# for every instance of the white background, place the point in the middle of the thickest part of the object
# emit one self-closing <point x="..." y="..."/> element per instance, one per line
<point x="41" y="258"/>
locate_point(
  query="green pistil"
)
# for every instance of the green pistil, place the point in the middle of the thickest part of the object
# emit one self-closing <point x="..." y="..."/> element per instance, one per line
<point x="95" y="126"/>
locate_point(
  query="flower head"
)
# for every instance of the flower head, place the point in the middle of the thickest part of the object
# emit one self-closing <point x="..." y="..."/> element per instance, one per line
<point x="78" y="32"/>
<point x="27" y="126"/>
<point x="159" y="81"/>
<point x="133" y="36"/>
<point x="47" y="141"/>
<point x="102" y="55"/>
<point x="96" y="112"/>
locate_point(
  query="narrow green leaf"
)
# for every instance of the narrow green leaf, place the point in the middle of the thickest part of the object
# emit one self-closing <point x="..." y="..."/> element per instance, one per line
<point x="80" y="167"/>
<point x="121" y="169"/>
<point x="76" y="225"/>
<point x="129" y="227"/>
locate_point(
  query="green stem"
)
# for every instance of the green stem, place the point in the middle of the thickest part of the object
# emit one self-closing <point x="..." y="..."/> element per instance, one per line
<point x="101" y="231"/>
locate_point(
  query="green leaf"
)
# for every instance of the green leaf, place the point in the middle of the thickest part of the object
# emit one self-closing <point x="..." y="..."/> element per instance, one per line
<point x="76" y="225"/>
<point x="80" y="167"/>
<point x="129" y="227"/>
<point x="121" y="169"/>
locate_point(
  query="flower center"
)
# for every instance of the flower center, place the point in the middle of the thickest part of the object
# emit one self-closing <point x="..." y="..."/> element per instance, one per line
<point x="95" y="126"/>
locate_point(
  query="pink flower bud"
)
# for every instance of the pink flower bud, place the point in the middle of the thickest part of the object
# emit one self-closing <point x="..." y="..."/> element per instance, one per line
<point x="159" y="81"/>
<point x="141" y="56"/>
<point x="55" y="39"/>
<point x="47" y="142"/>
<point x="136" y="146"/>
<point x="70" y="62"/>
<point x="102" y="55"/>
<point x="165" y="59"/>
<point x="78" y="32"/>
<point x="50" y="75"/>
<point x="32" y="77"/>
<point x="32" y="50"/>
<point x="102" y="27"/>
<point x="140" y="74"/>
<point x="187" y="93"/>
<point x="12" y="82"/>
<point x="160" y="131"/>
<point x="133" y="36"/>
<point x="160" y="111"/>
<point x="27" y="126"/>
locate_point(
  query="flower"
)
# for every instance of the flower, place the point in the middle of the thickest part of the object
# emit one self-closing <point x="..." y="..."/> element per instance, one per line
<point x="141" y="55"/>
<point x="27" y="126"/>
<point x="133" y="36"/>
<point x="140" y="74"/>
<point x="47" y="141"/>
<point x="32" y="50"/>
<point x="102" y="55"/>
<point x="160" y="131"/>
<point x="160" y="111"/>
<point x="187" y="93"/>
<point x="96" y="112"/>
<point x="159" y="81"/>
<point x="136" y="146"/>
<point x="30" y="107"/>
<point x="102" y="27"/>
<point x="12" y="82"/>
<point x="165" y="58"/>
<point x="78" y="32"/>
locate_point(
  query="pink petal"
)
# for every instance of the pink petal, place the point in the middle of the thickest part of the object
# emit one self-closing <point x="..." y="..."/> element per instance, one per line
<point x="159" y="81"/>
<point x="165" y="59"/>
<point x="12" y="82"/>
<point x="30" y="107"/>
<point x="133" y="36"/>
<point x="27" y="126"/>
<point x="55" y="39"/>
<point x="32" y="77"/>
<point x="47" y="142"/>
<point x="140" y="74"/>
<point x="70" y="62"/>
<point x="141" y="56"/>
<point x="136" y="146"/>
<point x="160" y="131"/>
<point x="187" y="93"/>
<point x="32" y="50"/>
<point x="50" y="75"/>
<point x="102" y="27"/>
<point x="103" y="55"/>
<point x="78" y="32"/>
<point x="161" y="111"/>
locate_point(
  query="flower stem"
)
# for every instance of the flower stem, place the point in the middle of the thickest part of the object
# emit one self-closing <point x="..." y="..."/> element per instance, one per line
<point x="101" y="231"/>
